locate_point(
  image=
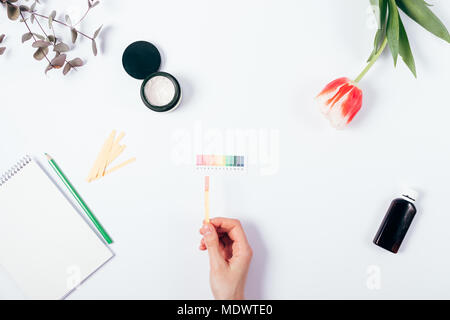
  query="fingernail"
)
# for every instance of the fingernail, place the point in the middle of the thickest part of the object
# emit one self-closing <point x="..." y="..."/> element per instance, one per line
<point x="207" y="229"/>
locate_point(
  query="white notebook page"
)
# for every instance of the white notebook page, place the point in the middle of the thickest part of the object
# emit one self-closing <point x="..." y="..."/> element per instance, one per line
<point x="45" y="245"/>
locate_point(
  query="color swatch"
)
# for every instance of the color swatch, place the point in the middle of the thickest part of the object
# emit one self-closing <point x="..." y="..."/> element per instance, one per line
<point x="220" y="162"/>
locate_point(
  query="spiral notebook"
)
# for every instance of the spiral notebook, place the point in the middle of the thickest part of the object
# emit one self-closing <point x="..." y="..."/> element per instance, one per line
<point x="46" y="247"/>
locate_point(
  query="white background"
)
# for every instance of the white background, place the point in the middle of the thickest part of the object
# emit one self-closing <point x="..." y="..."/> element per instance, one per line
<point x="248" y="65"/>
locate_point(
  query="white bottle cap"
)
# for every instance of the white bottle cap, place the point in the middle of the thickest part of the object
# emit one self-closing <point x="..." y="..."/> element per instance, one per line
<point x="410" y="194"/>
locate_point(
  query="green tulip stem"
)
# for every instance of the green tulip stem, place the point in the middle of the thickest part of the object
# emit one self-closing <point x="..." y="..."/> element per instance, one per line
<point x="372" y="61"/>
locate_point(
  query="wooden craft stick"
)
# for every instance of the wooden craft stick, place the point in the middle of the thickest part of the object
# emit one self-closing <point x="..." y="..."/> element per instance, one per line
<point x="94" y="169"/>
<point x="105" y="156"/>
<point x="116" y="153"/>
<point x="115" y="148"/>
<point x="119" y="138"/>
<point x="123" y="164"/>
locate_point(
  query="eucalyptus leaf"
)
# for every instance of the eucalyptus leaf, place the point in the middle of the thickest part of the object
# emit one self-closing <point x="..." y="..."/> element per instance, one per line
<point x="51" y="38"/>
<point x="405" y="50"/>
<point x="418" y="11"/>
<point x="393" y="31"/>
<point x="40" y="37"/>
<point x="58" y="61"/>
<point x="12" y="11"/>
<point x="32" y="18"/>
<point x="24" y="8"/>
<point x="74" y="34"/>
<point x="50" y="19"/>
<point x="2" y="37"/>
<point x="94" y="47"/>
<point x="2" y="50"/>
<point x="77" y="62"/>
<point x="97" y="32"/>
<point x="67" y="68"/>
<point x="49" y="67"/>
<point x="26" y="36"/>
<point x="61" y="47"/>
<point x="41" y="44"/>
<point x="40" y="53"/>
<point x="68" y="19"/>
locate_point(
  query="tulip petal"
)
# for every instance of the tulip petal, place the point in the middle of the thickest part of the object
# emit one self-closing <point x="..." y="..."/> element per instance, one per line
<point x="340" y="101"/>
<point x="352" y="106"/>
<point x="335" y="84"/>
<point x="328" y="93"/>
<point x="340" y="94"/>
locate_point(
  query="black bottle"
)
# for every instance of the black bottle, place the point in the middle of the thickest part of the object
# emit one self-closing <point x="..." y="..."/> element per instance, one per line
<point x="397" y="222"/>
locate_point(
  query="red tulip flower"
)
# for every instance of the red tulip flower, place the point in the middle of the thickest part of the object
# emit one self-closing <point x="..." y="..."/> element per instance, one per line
<point x="340" y="101"/>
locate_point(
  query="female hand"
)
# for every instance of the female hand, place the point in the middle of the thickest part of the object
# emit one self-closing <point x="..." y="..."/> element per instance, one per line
<point x="229" y="257"/>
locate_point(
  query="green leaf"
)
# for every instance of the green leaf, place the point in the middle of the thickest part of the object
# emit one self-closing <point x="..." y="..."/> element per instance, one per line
<point x="381" y="32"/>
<point x="405" y="50"/>
<point x="375" y="44"/>
<point x="383" y="12"/>
<point x="393" y="31"/>
<point x="418" y="11"/>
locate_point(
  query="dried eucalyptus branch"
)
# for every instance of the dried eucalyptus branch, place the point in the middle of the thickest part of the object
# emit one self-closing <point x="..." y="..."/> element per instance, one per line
<point x="48" y="40"/>
<point x="2" y="49"/>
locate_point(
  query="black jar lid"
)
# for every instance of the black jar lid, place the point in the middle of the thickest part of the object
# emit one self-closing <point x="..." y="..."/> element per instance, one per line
<point x="141" y="59"/>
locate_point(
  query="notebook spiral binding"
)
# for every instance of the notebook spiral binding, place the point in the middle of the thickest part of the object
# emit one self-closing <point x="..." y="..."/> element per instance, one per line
<point x="15" y="169"/>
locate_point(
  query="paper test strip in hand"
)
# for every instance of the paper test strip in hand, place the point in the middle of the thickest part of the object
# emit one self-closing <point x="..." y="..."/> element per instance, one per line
<point x="207" y="199"/>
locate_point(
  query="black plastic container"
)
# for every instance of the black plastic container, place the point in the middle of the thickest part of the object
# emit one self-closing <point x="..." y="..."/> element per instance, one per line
<point x="142" y="60"/>
<point x="396" y="223"/>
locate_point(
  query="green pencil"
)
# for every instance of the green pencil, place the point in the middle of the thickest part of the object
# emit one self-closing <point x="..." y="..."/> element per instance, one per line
<point x="79" y="199"/>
